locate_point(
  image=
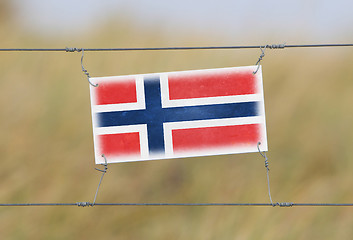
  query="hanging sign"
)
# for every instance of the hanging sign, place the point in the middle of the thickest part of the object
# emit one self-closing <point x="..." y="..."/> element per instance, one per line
<point x="178" y="114"/>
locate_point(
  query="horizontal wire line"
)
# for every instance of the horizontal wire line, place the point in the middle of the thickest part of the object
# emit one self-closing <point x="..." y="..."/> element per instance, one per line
<point x="84" y="204"/>
<point x="273" y="46"/>
<point x="35" y="204"/>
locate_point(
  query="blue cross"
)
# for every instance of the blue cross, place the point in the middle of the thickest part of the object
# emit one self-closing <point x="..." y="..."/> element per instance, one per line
<point x="154" y="115"/>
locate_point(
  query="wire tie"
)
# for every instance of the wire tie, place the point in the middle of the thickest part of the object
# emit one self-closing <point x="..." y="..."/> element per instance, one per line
<point x="260" y="58"/>
<point x="103" y="172"/>
<point x="84" y="70"/>
<point x="105" y="164"/>
<point x="263" y="154"/>
<point x="273" y="46"/>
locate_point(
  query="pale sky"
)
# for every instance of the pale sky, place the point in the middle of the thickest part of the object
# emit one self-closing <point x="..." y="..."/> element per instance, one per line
<point x="312" y="20"/>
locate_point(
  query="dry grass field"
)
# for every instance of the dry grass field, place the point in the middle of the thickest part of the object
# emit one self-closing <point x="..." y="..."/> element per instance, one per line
<point x="47" y="149"/>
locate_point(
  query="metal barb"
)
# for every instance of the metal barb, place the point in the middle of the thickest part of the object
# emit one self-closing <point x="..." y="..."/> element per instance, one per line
<point x="103" y="172"/>
<point x="276" y="46"/>
<point x="263" y="154"/>
<point x="84" y="204"/>
<point x="68" y="49"/>
<point x="85" y="71"/>
<point x="285" y="204"/>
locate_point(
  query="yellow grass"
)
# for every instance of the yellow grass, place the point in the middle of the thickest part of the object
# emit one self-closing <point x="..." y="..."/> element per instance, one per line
<point x="47" y="150"/>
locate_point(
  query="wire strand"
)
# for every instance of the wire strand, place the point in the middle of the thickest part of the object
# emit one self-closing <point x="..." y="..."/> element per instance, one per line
<point x="104" y="171"/>
<point x="271" y="46"/>
<point x="86" y="204"/>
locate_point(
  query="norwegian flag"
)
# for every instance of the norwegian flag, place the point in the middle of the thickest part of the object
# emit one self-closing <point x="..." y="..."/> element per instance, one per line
<point x="178" y="114"/>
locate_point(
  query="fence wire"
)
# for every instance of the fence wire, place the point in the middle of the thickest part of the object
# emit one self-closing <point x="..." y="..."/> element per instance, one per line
<point x="93" y="204"/>
<point x="88" y="204"/>
<point x="268" y="46"/>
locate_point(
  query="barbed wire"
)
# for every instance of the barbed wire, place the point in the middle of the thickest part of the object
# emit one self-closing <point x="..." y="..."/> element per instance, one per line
<point x="88" y="204"/>
<point x="262" y="47"/>
<point x="270" y="46"/>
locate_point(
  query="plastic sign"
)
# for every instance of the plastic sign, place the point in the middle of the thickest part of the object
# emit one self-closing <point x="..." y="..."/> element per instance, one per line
<point x="178" y="114"/>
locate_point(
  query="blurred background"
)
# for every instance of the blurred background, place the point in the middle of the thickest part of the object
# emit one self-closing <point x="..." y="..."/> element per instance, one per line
<point x="46" y="138"/>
